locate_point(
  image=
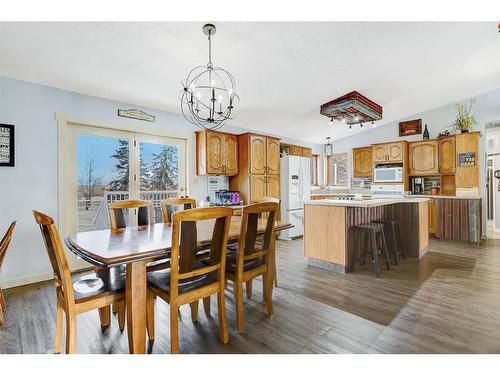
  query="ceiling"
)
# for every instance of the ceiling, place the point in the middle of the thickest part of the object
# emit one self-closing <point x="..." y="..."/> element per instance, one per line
<point x="283" y="71"/>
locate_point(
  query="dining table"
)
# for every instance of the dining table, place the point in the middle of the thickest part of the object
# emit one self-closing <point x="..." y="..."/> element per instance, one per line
<point x="134" y="247"/>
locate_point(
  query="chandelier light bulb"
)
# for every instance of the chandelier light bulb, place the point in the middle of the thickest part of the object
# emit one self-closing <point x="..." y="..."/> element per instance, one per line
<point x="356" y="118"/>
<point x="373" y="125"/>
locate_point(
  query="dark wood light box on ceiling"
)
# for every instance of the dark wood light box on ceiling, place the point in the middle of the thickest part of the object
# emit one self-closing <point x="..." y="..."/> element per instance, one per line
<point x="349" y="106"/>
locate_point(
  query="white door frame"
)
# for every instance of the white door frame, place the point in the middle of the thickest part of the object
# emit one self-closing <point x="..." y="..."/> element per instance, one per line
<point x="67" y="127"/>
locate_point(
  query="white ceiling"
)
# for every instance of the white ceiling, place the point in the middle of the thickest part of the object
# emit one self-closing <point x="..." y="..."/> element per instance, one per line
<point x="283" y="71"/>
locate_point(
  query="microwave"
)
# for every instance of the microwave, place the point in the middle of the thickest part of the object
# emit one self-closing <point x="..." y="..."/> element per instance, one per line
<point x="389" y="174"/>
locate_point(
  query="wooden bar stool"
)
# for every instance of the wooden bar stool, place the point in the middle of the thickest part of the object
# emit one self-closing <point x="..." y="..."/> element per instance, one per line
<point x="392" y="231"/>
<point x="4" y="244"/>
<point x="370" y="236"/>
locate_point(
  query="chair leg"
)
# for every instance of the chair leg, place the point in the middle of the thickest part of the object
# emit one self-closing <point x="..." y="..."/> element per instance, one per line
<point x="238" y="292"/>
<point x="400" y="240"/>
<point x="249" y="284"/>
<point x="384" y="245"/>
<point x="3" y="306"/>
<point x="206" y="305"/>
<point x="105" y="317"/>
<point x="268" y="282"/>
<point x="70" y="333"/>
<point x="194" y="310"/>
<point x="115" y="309"/>
<point x="59" y="327"/>
<point x="395" y="243"/>
<point x="221" y="310"/>
<point x="376" y="263"/>
<point x="121" y="307"/>
<point x="174" y="329"/>
<point x="1" y="318"/>
<point x="150" y="315"/>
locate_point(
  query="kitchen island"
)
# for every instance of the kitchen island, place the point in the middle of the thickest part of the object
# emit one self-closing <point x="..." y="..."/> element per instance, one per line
<point x="327" y="223"/>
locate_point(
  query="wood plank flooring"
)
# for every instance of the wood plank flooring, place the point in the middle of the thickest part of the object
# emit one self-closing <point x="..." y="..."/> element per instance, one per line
<point x="448" y="302"/>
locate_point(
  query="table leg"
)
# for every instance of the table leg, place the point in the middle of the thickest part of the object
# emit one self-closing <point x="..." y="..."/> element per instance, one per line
<point x="136" y="306"/>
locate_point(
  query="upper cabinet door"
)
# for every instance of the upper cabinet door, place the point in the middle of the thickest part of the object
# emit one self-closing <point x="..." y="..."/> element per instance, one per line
<point x="230" y="160"/>
<point x="395" y="151"/>
<point x="306" y="152"/>
<point x="447" y="155"/>
<point x="258" y="188"/>
<point x="295" y="151"/>
<point x="362" y="162"/>
<point x="258" y="154"/>
<point x="424" y="158"/>
<point x="379" y="153"/>
<point x="215" y="151"/>
<point x="273" y="156"/>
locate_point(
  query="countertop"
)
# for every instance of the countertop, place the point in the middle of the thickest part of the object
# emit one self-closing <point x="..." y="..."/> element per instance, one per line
<point x="367" y="194"/>
<point x="377" y="202"/>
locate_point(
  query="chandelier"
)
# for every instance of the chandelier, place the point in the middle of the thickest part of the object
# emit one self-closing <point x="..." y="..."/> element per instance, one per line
<point x="209" y="93"/>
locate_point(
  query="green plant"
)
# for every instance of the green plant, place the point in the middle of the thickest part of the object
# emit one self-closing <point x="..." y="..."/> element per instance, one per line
<point x="466" y="120"/>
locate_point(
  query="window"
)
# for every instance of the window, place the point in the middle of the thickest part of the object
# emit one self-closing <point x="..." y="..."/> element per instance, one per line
<point x="100" y="165"/>
<point x="338" y="169"/>
<point x="314" y="170"/>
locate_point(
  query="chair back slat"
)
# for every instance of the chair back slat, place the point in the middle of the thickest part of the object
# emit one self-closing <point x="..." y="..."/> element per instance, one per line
<point x="184" y="242"/>
<point x="249" y="228"/>
<point x="55" y="251"/>
<point x="145" y="212"/>
<point x="5" y="242"/>
<point x="169" y="206"/>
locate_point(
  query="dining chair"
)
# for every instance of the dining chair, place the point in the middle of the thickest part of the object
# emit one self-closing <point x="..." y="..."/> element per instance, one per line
<point x="145" y="212"/>
<point x="4" y="244"/>
<point x="253" y="259"/>
<point x="188" y="280"/>
<point x="78" y="295"/>
<point x="277" y="217"/>
<point x="168" y="206"/>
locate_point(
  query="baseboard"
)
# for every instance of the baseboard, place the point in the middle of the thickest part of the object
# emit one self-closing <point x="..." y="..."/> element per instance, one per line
<point x="33" y="279"/>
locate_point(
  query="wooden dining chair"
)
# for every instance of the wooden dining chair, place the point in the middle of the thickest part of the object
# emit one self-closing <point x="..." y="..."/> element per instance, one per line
<point x="189" y="280"/>
<point x="75" y="295"/>
<point x="168" y="206"/>
<point x="277" y="217"/>
<point x="252" y="259"/>
<point x="4" y="244"/>
<point x="145" y="212"/>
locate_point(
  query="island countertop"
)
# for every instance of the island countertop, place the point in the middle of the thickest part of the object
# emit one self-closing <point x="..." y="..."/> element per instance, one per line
<point x="374" y="202"/>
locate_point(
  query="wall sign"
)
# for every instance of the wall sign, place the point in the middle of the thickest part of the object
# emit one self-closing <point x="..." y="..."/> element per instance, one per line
<point x="467" y="159"/>
<point x="136" y="114"/>
<point x="411" y="127"/>
<point x="6" y="145"/>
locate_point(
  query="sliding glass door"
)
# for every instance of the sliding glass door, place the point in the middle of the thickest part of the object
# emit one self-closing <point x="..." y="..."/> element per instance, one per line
<point x="112" y="165"/>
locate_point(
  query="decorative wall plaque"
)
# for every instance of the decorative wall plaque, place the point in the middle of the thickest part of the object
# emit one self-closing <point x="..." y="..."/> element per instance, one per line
<point x="411" y="127"/>
<point x="6" y="145"/>
<point x="136" y="114"/>
<point x="467" y="159"/>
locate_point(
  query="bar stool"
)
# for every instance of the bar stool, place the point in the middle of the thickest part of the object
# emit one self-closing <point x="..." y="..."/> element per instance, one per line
<point x="371" y="234"/>
<point x="392" y="230"/>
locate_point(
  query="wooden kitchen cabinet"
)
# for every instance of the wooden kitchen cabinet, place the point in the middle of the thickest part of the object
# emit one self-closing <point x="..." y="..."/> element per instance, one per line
<point x="467" y="177"/>
<point x="447" y="155"/>
<point x="273" y="156"/>
<point x="306" y="152"/>
<point x="295" y="151"/>
<point x="259" y="168"/>
<point x="273" y="186"/>
<point x="362" y="162"/>
<point x="216" y="153"/>
<point x="423" y="158"/>
<point x="392" y="152"/>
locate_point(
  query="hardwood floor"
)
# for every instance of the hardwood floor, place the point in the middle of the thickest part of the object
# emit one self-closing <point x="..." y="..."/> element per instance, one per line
<point x="449" y="302"/>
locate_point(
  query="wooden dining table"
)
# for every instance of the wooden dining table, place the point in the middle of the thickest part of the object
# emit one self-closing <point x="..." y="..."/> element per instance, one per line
<point x="135" y="247"/>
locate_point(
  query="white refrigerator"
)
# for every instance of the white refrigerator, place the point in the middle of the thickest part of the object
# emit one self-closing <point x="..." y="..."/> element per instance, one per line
<point x="295" y="189"/>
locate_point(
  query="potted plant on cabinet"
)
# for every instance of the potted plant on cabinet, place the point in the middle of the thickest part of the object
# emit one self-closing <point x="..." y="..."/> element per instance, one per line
<point x="466" y="120"/>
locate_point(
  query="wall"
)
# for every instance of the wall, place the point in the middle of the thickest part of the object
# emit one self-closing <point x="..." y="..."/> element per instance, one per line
<point x="486" y="106"/>
<point x="32" y="183"/>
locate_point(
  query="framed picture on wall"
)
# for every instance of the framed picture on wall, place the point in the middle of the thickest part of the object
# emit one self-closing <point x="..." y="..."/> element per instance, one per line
<point x="410" y="127"/>
<point x="6" y="145"/>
